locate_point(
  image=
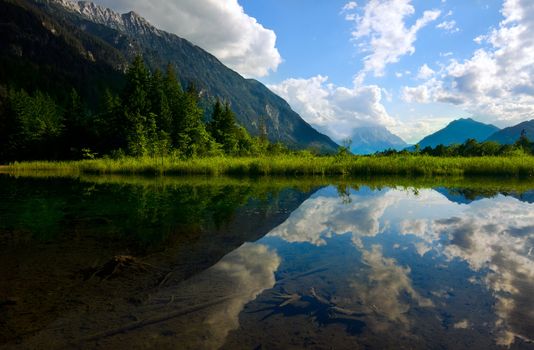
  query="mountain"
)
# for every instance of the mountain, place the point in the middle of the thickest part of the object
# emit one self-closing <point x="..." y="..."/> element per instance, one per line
<point x="457" y="132"/>
<point x="511" y="135"/>
<point x="372" y="139"/>
<point x="129" y="35"/>
<point x="39" y="52"/>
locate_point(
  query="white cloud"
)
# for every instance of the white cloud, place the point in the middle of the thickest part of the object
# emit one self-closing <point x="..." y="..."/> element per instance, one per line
<point x="413" y="129"/>
<point x="218" y="26"/>
<point x="448" y="26"/>
<point x="381" y="31"/>
<point x="351" y="5"/>
<point x="497" y="82"/>
<point x="425" y="72"/>
<point x="334" y="110"/>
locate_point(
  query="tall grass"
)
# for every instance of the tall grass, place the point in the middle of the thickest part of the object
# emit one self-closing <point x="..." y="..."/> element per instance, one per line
<point x="290" y="165"/>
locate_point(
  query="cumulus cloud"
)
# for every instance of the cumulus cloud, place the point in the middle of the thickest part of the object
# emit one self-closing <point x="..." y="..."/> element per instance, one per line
<point x="425" y="72"/>
<point x="497" y="81"/>
<point x="381" y="31"/>
<point x="335" y="110"/>
<point x="219" y="26"/>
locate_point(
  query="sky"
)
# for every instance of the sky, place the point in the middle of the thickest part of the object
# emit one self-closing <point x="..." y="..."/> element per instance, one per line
<point x="409" y="65"/>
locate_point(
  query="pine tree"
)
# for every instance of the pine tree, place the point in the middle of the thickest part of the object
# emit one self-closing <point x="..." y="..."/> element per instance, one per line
<point x="112" y="124"/>
<point x="214" y="126"/>
<point x="223" y="127"/>
<point x="160" y="103"/>
<point x="137" y="108"/>
<point x="75" y="133"/>
<point x="37" y="125"/>
<point x="192" y="138"/>
<point x="523" y="142"/>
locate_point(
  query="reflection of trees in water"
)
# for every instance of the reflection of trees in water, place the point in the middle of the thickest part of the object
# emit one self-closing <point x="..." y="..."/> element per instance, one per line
<point x="143" y="215"/>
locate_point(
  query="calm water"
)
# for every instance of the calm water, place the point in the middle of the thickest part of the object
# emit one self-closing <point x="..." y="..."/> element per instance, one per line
<point x="137" y="263"/>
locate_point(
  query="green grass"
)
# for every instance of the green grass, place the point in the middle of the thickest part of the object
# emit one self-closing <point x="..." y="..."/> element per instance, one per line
<point x="291" y="165"/>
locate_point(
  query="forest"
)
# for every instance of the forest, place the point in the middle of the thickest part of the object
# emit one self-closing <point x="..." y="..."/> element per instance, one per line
<point x="151" y="116"/>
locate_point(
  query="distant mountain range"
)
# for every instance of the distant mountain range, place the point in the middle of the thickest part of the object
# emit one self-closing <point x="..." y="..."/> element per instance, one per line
<point x="510" y="135"/>
<point x="457" y="132"/>
<point x="372" y="139"/>
<point x="88" y="47"/>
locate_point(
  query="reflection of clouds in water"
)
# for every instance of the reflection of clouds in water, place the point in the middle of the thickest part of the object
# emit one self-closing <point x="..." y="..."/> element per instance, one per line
<point x="496" y="234"/>
<point x="386" y="289"/>
<point x="237" y="279"/>
<point x="322" y="217"/>
<point x="249" y="271"/>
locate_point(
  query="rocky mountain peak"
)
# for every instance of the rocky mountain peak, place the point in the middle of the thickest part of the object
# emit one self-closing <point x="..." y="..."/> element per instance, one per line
<point x="130" y="22"/>
<point x="134" y="23"/>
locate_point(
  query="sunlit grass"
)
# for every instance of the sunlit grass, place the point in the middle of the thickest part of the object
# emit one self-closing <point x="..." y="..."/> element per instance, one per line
<point x="290" y="165"/>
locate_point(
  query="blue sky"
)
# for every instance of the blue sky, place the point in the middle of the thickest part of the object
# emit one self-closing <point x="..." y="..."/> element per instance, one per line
<point x="409" y="65"/>
<point x="315" y="38"/>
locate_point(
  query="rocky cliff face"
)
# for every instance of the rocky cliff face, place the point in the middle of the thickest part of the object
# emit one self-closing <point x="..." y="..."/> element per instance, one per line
<point x="254" y="104"/>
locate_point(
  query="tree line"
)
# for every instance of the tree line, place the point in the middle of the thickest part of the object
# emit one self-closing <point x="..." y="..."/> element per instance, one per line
<point x="151" y="116"/>
<point x="471" y="148"/>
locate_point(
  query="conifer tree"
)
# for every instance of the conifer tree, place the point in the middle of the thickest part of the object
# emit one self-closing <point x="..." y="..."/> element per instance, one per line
<point x="192" y="138"/>
<point x="136" y="104"/>
<point x="160" y="103"/>
<point x="223" y="127"/>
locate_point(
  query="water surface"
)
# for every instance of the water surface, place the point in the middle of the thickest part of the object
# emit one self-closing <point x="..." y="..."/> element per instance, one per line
<point x="265" y="264"/>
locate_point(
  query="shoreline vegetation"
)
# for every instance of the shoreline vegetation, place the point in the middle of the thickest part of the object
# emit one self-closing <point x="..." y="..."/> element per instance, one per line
<point x="289" y="165"/>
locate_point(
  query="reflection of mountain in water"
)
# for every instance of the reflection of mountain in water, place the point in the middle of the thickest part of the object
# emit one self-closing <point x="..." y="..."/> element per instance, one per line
<point x="461" y="196"/>
<point x="527" y="196"/>
<point x="347" y="268"/>
<point x="466" y="196"/>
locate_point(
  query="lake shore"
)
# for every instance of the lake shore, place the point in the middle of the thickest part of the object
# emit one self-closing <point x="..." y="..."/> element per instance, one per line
<point x="291" y="165"/>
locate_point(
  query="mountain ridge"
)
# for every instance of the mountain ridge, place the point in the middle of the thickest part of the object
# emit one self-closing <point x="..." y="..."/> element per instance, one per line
<point x="457" y="132"/>
<point x="512" y="133"/>
<point x="255" y="105"/>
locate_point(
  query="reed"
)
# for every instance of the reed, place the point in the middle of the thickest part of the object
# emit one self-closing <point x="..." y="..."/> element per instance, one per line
<point x="291" y="165"/>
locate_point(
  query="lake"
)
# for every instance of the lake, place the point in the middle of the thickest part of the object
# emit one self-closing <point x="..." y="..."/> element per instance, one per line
<point x="110" y="262"/>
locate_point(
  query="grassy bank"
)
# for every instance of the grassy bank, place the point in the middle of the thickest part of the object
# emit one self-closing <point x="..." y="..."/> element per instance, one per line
<point x="293" y="165"/>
